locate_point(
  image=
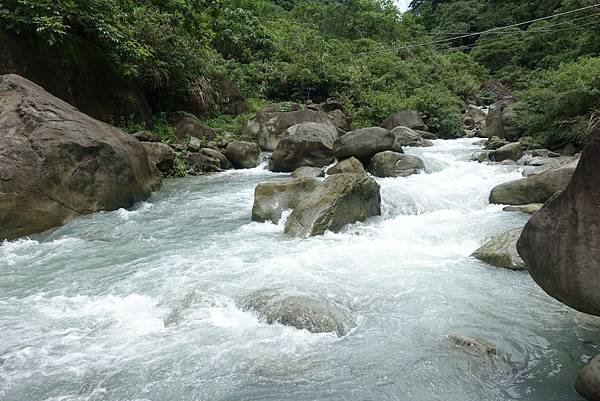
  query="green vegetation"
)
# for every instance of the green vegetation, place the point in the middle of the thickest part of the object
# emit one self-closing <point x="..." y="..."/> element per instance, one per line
<point x="361" y="52"/>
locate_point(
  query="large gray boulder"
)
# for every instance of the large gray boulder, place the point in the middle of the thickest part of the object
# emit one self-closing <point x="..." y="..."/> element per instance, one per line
<point x="409" y="137"/>
<point x="57" y="163"/>
<point x="273" y="197"/>
<point x="588" y="381"/>
<point x="301" y="311"/>
<point x="351" y="166"/>
<point x="561" y="242"/>
<point x="268" y="125"/>
<point x="160" y="154"/>
<point x="499" y="114"/>
<point x="533" y="189"/>
<point x="512" y="151"/>
<point x="393" y="164"/>
<point x="340" y="200"/>
<point x="364" y="144"/>
<point x="407" y="118"/>
<point x="242" y="154"/>
<point x="304" y="145"/>
<point x="501" y="251"/>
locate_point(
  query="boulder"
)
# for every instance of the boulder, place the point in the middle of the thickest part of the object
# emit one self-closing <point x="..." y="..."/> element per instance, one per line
<point x="224" y="163"/>
<point x="408" y="118"/>
<point x="304" y="145"/>
<point x="191" y="127"/>
<point x="512" y="151"/>
<point x="340" y="119"/>
<point x="561" y="242"/>
<point x="268" y="126"/>
<point x="427" y="135"/>
<point x="501" y="251"/>
<point x="351" y="166"/>
<point x="310" y="172"/>
<point x="273" y="197"/>
<point x="160" y="154"/>
<point x="59" y="163"/>
<point x="538" y="165"/>
<point x="145" y="136"/>
<point x="528" y="209"/>
<point x="393" y="164"/>
<point x="198" y="163"/>
<point x="497" y="118"/>
<point x="363" y="144"/>
<point x="242" y="154"/>
<point x="476" y="115"/>
<point x="533" y="189"/>
<point x="405" y="136"/>
<point x="194" y="144"/>
<point x="481" y="156"/>
<point x="544" y="153"/>
<point x="495" y="143"/>
<point x="588" y="381"/>
<point x="340" y="200"/>
<point x="300" y="311"/>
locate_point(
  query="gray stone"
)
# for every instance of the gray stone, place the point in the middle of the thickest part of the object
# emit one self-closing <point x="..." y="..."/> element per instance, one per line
<point x="393" y="164"/>
<point x="561" y="242"/>
<point x="588" y="381"/>
<point x="300" y="311"/>
<point x="57" y="163"/>
<point x="160" y="154"/>
<point x="499" y="114"/>
<point x="528" y="209"/>
<point x="363" y="144"/>
<point x="304" y="145"/>
<point x="340" y="120"/>
<point x="224" y="163"/>
<point x="191" y="127"/>
<point x="273" y="197"/>
<point x="481" y="156"/>
<point x="242" y="154"/>
<point x="194" y="144"/>
<point x="512" y="151"/>
<point x="308" y="172"/>
<point x="408" y="118"/>
<point x="501" y="251"/>
<point x="340" y="200"/>
<point x="145" y="136"/>
<point x="405" y="136"/>
<point x="351" y="166"/>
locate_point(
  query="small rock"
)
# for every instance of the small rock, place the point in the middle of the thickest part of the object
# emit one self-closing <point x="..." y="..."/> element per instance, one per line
<point x="351" y="166"/>
<point x="224" y="163"/>
<point x="308" y="172"/>
<point x="393" y="164"/>
<point x="501" y="251"/>
<point x="194" y="144"/>
<point x="588" y="381"/>
<point x="528" y="209"/>
<point x="482" y="156"/>
<point x="145" y="136"/>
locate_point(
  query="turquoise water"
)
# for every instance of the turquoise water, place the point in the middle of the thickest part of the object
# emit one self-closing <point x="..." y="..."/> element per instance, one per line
<point x="142" y="304"/>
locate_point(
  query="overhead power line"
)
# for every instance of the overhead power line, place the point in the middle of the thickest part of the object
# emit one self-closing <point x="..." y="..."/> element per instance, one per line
<point x="479" y="33"/>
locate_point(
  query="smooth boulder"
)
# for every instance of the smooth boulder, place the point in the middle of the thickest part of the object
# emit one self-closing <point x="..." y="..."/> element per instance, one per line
<point x="351" y="166"/>
<point x="340" y="200"/>
<point x="405" y="136"/>
<point x="501" y="251"/>
<point x="242" y="154"/>
<point x="512" y="151"/>
<point x="191" y="127"/>
<point x="272" y="198"/>
<point x="160" y="154"/>
<point x="534" y="189"/>
<point x="407" y="118"/>
<point x="301" y="311"/>
<point x="363" y="144"/>
<point x="304" y="145"/>
<point x="311" y="172"/>
<point x="561" y="242"/>
<point x="588" y="381"/>
<point x="268" y="125"/>
<point x="394" y="164"/>
<point x="59" y="163"/>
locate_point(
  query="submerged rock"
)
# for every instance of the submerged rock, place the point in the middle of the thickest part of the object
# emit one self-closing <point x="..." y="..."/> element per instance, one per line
<point x="273" y="197"/>
<point x="340" y="200"/>
<point x="393" y="164"/>
<point x="533" y="189"/>
<point x="304" y="145"/>
<point x="300" y="311"/>
<point x="363" y="144"/>
<point x="588" y="381"/>
<point x="310" y="172"/>
<point x="561" y="242"/>
<point x="242" y="154"/>
<point x="528" y="209"/>
<point x="476" y="345"/>
<point x="57" y="162"/>
<point x="351" y="166"/>
<point x="501" y="251"/>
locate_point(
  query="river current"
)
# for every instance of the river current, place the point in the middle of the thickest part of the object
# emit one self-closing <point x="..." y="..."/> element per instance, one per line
<point x="143" y="304"/>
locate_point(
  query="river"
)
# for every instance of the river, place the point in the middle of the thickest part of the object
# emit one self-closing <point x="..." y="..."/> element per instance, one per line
<point x="142" y="304"/>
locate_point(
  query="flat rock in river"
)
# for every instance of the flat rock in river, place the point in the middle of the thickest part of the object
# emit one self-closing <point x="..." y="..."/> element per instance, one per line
<point x="364" y="143"/>
<point x="501" y="251"/>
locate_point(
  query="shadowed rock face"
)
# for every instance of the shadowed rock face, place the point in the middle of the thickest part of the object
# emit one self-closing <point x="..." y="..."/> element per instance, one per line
<point x="561" y="243"/>
<point x="300" y="311"/>
<point x="57" y="162"/>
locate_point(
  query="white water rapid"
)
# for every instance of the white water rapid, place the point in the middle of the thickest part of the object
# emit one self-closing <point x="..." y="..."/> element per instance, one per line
<point x="142" y="304"/>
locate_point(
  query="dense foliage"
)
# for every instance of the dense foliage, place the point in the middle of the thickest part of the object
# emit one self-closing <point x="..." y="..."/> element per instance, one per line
<point x="363" y="52"/>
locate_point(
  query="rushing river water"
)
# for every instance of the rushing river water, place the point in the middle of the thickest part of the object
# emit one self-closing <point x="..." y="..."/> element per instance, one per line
<point x="142" y="304"/>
